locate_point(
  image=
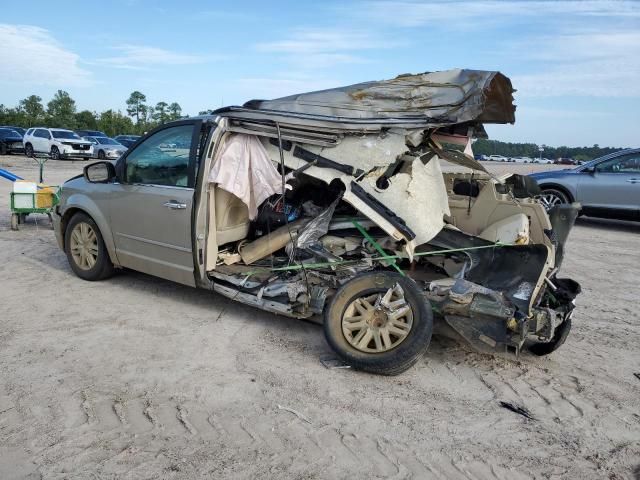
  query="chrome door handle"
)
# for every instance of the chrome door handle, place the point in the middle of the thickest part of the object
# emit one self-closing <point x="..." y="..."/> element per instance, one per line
<point x="173" y="205"/>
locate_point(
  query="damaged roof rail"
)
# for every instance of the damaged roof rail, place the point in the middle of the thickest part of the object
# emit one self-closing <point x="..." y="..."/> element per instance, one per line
<point x="343" y="123"/>
<point x="424" y="100"/>
<point x="266" y="128"/>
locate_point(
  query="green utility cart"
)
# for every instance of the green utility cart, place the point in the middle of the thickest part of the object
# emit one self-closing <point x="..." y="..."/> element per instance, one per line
<point x="43" y="200"/>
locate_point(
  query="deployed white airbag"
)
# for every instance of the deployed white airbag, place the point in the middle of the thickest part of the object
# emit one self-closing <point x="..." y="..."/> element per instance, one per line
<point x="245" y="169"/>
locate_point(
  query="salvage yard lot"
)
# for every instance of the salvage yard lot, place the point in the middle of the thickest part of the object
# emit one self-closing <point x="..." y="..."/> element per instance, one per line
<point x="137" y="377"/>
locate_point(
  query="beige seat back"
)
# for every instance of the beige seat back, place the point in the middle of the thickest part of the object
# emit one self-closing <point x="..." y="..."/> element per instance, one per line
<point x="232" y="217"/>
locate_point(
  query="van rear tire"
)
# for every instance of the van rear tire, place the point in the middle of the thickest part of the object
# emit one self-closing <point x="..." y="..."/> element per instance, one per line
<point x="379" y="322"/>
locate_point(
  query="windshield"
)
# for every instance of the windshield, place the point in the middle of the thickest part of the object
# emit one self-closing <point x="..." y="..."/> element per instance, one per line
<point x="7" y="132"/>
<point x="106" y="141"/>
<point x="592" y="163"/>
<point x="65" y="134"/>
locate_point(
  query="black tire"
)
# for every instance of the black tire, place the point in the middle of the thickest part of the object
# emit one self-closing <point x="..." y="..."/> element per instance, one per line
<point x="55" y="153"/>
<point x="103" y="268"/>
<point x="101" y="155"/>
<point x="559" y="337"/>
<point x="557" y="192"/>
<point x="28" y="150"/>
<point x="551" y="196"/>
<point x="3" y="149"/>
<point x="403" y="355"/>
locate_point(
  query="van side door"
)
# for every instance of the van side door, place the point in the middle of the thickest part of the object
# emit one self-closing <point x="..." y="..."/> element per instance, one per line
<point x="151" y="206"/>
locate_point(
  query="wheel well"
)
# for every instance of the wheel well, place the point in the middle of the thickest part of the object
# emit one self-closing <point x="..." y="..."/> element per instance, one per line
<point x="66" y="218"/>
<point x="560" y="188"/>
<point x="68" y="215"/>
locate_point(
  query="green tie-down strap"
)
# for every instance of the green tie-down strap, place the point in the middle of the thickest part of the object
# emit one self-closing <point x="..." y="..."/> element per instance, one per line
<point x="384" y="256"/>
<point x="377" y="246"/>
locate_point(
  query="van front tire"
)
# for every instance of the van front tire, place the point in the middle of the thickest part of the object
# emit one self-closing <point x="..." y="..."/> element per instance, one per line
<point x="86" y="252"/>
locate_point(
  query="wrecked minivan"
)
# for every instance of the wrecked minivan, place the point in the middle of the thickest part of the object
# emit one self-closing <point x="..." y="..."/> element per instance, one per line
<point x="335" y="206"/>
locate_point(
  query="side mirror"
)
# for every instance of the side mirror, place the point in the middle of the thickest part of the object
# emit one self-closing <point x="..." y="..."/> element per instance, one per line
<point x="100" y="172"/>
<point x="590" y="170"/>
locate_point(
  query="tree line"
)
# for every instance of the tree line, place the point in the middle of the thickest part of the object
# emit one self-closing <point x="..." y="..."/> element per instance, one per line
<point x="496" y="147"/>
<point x="141" y="117"/>
<point x="61" y="112"/>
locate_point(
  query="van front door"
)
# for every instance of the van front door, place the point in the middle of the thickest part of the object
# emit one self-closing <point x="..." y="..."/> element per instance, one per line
<point x="152" y="204"/>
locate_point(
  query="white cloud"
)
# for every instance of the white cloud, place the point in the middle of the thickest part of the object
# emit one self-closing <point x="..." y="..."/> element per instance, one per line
<point x="467" y="13"/>
<point x="591" y="50"/>
<point x="321" y="48"/>
<point x="268" y="88"/>
<point x="140" y="57"/>
<point x="585" y="64"/>
<point x="30" y="55"/>
<point x="305" y="41"/>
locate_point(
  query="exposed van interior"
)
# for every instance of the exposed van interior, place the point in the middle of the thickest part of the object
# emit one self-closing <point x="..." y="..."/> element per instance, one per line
<point x="478" y="205"/>
<point x="303" y="198"/>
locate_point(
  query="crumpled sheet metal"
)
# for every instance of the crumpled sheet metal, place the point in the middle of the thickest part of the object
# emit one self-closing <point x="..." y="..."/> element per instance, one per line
<point x="446" y="97"/>
<point x="245" y="169"/>
<point x="366" y="151"/>
<point x="316" y="228"/>
<point x="418" y="196"/>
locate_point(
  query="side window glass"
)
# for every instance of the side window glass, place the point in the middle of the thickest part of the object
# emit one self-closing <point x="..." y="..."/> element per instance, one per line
<point x="162" y="159"/>
<point x="624" y="164"/>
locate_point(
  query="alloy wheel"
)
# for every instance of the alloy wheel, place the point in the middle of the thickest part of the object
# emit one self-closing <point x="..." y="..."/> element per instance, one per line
<point x="378" y="322"/>
<point x="84" y="246"/>
<point x="550" y="198"/>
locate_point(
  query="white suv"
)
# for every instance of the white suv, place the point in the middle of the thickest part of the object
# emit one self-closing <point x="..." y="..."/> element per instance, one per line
<point x="57" y="142"/>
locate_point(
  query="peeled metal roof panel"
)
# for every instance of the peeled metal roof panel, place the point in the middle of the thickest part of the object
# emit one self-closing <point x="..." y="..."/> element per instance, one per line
<point x="435" y="98"/>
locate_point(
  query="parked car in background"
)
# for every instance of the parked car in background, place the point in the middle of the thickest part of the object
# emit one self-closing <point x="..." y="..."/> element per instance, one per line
<point x="57" y="142"/>
<point x="106" y="148"/>
<point x="606" y="187"/>
<point x="544" y="161"/>
<point x="497" y="158"/>
<point x="565" y="161"/>
<point x="20" y="130"/>
<point x="91" y="133"/>
<point x="127" y="140"/>
<point x="10" y="141"/>
<point x="521" y="159"/>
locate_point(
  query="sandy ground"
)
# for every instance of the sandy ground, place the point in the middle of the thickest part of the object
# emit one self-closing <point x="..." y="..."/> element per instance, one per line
<point x="136" y="377"/>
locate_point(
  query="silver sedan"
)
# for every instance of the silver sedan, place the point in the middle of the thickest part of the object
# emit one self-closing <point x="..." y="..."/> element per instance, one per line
<point x="106" y="148"/>
<point x="607" y="187"/>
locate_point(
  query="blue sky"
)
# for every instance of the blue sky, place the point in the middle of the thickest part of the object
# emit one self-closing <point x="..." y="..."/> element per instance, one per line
<point x="575" y="64"/>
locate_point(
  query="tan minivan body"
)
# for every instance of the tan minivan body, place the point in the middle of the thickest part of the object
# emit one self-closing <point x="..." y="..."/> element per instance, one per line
<point x="375" y="222"/>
